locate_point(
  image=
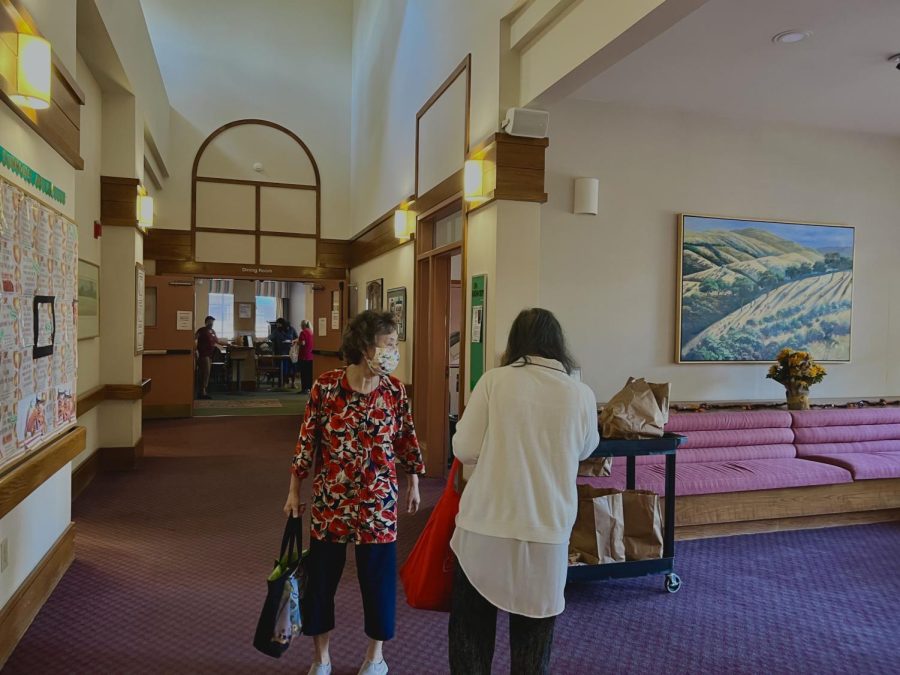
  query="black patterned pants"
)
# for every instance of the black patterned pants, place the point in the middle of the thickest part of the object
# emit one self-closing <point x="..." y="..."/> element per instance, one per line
<point x="473" y="629"/>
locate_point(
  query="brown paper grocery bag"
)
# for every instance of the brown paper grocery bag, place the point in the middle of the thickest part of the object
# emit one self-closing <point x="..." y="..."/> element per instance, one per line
<point x="596" y="467"/>
<point x="639" y="410"/>
<point x="598" y="530"/>
<point x="643" y="525"/>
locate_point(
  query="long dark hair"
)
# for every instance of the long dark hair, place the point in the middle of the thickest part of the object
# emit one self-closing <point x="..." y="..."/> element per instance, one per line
<point x="536" y="332"/>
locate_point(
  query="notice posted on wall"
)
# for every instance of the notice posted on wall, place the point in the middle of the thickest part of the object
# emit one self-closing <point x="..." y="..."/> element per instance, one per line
<point x="323" y="326"/>
<point x="335" y="319"/>
<point x="184" y="320"/>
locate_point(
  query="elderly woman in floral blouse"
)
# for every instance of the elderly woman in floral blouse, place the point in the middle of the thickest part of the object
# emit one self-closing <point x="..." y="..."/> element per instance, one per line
<point x="357" y="427"/>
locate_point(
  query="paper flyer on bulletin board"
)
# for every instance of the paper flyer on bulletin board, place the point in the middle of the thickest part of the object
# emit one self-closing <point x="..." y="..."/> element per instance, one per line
<point x="476" y="346"/>
<point x="38" y="318"/>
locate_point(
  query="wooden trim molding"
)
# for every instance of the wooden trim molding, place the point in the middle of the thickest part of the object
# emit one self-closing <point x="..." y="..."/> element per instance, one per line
<point x="24" y="478"/>
<point x="787" y="508"/>
<point x="84" y="474"/>
<point x="118" y="200"/>
<point x="174" y="411"/>
<point x="256" y="232"/>
<point x="60" y="124"/>
<point x="128" y="392"/>
<point x="26" y="602"/>
<point x="112" y="392"/>
<point x="516" y="168"/>
<point x="163" y="244"/>
<point x="124" y="458"/>
<point x="465" y="66"/>
<point x="248" y="271"/>
<point x="90" y="400"/>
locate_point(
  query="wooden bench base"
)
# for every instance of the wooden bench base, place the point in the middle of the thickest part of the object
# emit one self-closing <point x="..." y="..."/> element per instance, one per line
<point x="718" y="515"/>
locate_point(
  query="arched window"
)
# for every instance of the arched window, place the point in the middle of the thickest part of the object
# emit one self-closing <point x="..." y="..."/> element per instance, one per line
<point x="255" y="197"/>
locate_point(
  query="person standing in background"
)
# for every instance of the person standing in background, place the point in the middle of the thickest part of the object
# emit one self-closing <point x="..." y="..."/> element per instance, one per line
<point x="305" y="362"/>
<point x="205" y="344"/>
<point x="282" y="336"/>
<point x="526" y="427"/>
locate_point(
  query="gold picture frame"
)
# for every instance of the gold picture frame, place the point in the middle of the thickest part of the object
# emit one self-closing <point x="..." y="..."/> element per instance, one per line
<point x="747" y="287"/>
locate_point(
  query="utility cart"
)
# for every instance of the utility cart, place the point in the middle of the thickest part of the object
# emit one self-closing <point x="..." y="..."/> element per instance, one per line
<point x="666" y="445"/>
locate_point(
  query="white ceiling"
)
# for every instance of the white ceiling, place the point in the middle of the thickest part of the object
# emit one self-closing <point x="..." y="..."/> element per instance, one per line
<point x="720" y="60"/>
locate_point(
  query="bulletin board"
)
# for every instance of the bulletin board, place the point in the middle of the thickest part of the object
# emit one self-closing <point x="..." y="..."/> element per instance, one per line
<point x="38" y="320"/>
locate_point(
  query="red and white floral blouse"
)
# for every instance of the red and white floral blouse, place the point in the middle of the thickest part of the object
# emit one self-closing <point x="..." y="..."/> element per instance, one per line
<point x="361" y="437"/>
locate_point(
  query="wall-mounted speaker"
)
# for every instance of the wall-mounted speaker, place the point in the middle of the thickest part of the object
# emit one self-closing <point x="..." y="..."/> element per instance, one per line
<point x="526" y="122"/>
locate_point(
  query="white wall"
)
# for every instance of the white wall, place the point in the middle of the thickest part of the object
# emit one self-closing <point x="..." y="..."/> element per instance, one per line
<point x="611" y="279"/>
<point x="87" y="210"/>
<point x="397" y="269"/>
<point x="402" y="52"/>
<point x="124" y="20"/>
<point x="289" y="64"/>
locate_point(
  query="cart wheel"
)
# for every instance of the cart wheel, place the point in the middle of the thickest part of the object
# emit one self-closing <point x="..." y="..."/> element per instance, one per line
<point x="673" y="583"/>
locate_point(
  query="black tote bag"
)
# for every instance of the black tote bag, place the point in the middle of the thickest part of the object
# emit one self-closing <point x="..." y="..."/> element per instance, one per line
<point x="280" y="619"/>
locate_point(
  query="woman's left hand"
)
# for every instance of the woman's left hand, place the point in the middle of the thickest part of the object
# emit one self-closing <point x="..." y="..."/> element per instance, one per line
<point x="412" y="493"/>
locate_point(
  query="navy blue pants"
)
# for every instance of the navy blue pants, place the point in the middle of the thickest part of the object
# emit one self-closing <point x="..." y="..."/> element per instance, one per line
<point x="376" y="568"/>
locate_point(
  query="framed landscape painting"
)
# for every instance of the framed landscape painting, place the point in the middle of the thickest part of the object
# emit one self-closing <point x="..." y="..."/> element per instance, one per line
<point x="748" y="288"/>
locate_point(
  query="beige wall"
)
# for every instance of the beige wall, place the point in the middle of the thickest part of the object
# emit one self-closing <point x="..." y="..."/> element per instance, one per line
<point x="289" y="64"/>
<point x="87" y="210"/>
<point x="397" y="268"/>
<point x="611" y="279"/>
<point x="402" y="52"/>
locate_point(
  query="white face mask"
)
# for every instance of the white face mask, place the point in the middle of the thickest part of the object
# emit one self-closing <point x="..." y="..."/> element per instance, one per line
<point x="384" y="361"/>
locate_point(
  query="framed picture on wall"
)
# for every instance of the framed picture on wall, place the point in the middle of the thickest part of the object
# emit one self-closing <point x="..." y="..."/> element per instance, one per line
<point x="375" y="295"/>
<point x="749" y="288"/>
<point x="88" y="300"/>
<point x="396" y="305"/>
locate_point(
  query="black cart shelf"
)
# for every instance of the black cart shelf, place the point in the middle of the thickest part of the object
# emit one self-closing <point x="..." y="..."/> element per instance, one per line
<point x="666" y="445"/>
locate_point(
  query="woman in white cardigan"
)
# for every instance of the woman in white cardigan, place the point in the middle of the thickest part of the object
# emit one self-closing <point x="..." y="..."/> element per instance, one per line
<point x="525" y="428"/>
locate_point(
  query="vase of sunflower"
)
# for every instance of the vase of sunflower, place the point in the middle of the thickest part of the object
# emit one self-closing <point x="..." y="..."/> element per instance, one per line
<point x="796" y="371"/>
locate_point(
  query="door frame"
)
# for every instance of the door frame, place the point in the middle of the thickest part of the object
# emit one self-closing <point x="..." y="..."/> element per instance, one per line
<point x="431" y="397"/>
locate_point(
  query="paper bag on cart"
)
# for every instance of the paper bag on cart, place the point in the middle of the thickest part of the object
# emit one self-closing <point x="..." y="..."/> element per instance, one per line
<point x="643" y="525"/>
<point x="595" y="466"/>
<point x="597" y="534"/>
<point x="639" y="410"/>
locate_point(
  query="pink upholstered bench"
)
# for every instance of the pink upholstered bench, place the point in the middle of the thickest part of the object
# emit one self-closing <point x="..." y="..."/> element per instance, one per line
<point x="729" y="452"/>
<point x="865" y="442"/>
<point x="741" y="472"/>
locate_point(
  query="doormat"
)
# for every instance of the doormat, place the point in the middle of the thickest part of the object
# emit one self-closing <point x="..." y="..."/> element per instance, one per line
<point x="250" y="403"/>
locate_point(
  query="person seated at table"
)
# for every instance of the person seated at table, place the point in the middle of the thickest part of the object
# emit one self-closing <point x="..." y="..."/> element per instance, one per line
<point x="282" y="335"/>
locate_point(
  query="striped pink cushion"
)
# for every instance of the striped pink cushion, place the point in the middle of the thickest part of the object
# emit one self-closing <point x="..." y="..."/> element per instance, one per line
<point x="682" y="423"/>
<point x="848" y="434"/>
<point x="866" y="465"/>
<point x="845" y="417"/>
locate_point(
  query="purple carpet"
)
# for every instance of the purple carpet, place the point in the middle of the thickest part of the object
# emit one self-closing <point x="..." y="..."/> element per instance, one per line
<point x="172" y="559"/>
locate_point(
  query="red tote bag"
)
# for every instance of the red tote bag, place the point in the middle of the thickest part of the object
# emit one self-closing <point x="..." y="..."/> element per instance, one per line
<point x="427" y="574"/>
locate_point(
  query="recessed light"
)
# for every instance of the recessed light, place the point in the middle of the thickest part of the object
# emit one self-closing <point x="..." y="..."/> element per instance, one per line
<point x="789" y="37"/>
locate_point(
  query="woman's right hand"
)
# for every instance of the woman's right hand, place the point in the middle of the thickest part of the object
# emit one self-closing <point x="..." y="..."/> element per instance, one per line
<point x="293" y="507"/>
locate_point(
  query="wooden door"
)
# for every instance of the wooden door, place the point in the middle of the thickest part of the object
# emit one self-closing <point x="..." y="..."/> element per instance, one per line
<point x="328" y="298"/>
<point x="169" y="346"/>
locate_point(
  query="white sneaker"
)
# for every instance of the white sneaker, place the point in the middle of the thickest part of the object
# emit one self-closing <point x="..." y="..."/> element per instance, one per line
<point x="371" y="668"/>
<point x="320" y="669"/>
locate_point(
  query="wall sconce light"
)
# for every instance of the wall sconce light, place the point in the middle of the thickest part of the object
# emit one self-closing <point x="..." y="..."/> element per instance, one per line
<point x="144" y="208"/>
<point x="474" y="189"/>
<point x="33" y="72"/>
<point x="404" y="224"/>
<point x="587" y="196"/>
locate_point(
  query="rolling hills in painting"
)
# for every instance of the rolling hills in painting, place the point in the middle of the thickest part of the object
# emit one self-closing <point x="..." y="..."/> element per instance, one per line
<point x="750" y="289"/>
